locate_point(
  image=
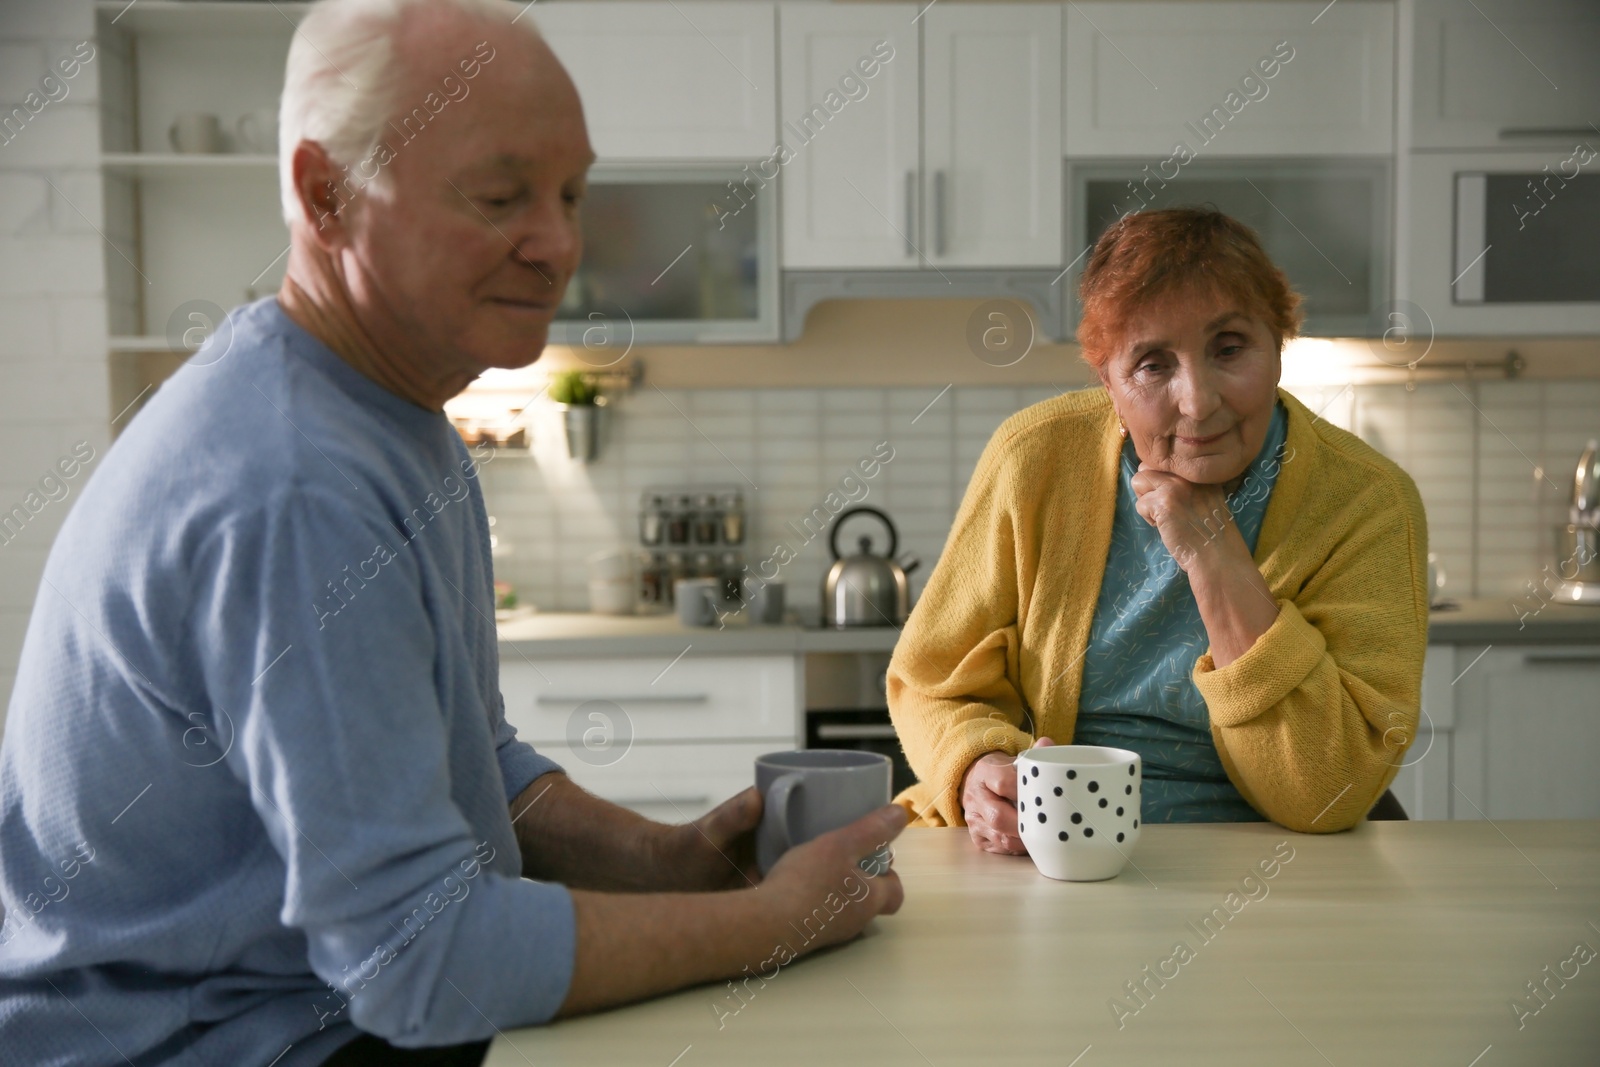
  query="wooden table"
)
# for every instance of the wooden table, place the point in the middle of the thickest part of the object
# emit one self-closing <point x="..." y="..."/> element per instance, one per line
<point x="1397" y="943"/>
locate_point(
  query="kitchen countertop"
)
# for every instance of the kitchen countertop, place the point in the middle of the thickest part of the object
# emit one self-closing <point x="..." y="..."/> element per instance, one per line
<point x="583" y="634"/>
<point x="1515" y="622"/>
<point x="1398" y="942"/>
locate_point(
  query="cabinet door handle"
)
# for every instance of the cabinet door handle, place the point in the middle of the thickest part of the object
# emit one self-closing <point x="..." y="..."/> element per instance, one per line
<point x="647" y="698"/>
<point x="938" y="212"/>
<point x="911" y="214"/>
<point x="1511" y="133"/>
<point x="846" y="731"/>
<point x="1534" y="659"/>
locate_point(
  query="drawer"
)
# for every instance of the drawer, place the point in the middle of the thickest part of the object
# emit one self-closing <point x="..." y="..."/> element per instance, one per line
<point x="669" y="783"/>
<point x="624" y="700"/>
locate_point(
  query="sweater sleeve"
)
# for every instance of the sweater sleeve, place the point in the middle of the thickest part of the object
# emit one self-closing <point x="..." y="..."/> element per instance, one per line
<point x="1313" y="721"/>
<point x="423" y="933"/>
<point x="952" y="683"/>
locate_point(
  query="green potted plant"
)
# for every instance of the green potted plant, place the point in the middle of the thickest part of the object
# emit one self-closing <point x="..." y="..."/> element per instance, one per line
<point x="580" y="401"/>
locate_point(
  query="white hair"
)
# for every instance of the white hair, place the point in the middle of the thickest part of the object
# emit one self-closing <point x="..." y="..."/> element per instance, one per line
<point x="342" y="80"/>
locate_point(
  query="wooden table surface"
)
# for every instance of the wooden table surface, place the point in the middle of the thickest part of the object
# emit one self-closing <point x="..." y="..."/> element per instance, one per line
<point x="1396" y="943"/>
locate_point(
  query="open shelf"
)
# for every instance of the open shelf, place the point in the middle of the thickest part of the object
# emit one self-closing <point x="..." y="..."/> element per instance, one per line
<point x="162" y="164"/>
<point x="199" y="17"/>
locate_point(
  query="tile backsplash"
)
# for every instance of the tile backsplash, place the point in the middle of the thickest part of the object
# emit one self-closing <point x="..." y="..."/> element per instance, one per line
<point x="1493" y="461"/>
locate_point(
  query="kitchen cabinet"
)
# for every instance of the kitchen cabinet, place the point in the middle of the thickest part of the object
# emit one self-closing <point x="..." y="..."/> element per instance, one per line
<point x="669" y="738"/>
<point x="1504" y="73"/>
<point x="948" y="156"/>
<point x="1229" y="79"/>
<point x="1526" y="733"/>
<point x="991" y="98"/>
<point x="850" y="190"/>
<point x="679" y="81"/>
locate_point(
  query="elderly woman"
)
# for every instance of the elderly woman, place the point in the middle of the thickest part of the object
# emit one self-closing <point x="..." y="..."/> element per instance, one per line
<point x="1187" y="563"/>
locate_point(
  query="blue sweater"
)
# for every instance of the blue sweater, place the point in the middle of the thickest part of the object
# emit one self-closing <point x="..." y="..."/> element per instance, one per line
<point x="255" y="779"/>
<point x="1138" y="692"/>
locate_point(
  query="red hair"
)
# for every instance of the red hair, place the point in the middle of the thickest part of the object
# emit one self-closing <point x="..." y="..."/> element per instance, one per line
<point x="1149" y="254"/>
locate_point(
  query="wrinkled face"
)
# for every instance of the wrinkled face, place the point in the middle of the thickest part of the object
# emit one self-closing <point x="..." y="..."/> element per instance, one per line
<point x="469" y="242"/>
<point x="1194" y="378"/>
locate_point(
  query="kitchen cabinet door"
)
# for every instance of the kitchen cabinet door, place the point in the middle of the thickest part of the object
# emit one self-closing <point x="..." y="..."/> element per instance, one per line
<point x="1505" y="73"/>
<point x="1527" y="735"/>
<point x="1229" y="79"/>
<point x="992" y="135"/>
<point x="680" y="81"/>
<point x="849" y="186"/>
<point x="1422" y="784"/>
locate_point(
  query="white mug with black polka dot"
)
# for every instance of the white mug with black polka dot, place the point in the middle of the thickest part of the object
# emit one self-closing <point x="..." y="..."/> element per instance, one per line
<point x="1078" y="809"/>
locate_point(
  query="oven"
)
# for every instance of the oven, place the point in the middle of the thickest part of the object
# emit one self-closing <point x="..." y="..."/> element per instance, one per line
<point x="846" y="707"/>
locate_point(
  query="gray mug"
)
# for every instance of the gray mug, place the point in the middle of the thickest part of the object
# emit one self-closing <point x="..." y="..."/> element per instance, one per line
<point x="763" y="601"/>
<point x="809" y="792"/>
<point x="696" y="600"/>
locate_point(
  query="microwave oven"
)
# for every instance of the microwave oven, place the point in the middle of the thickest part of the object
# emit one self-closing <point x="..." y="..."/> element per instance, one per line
<point x="1507" y="242"/>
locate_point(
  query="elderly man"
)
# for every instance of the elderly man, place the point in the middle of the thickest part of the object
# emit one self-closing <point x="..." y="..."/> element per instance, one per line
<point x="259" y="803"/>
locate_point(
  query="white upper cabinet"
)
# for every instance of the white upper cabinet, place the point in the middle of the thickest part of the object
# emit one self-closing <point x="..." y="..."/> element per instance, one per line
<point x="1505" y="73"/>
<point x="991" y="183"/>
<point x="969" y="175"/>
<point x="1230" y="79"/>
<point x="681" y="81"/>
<point x="849" y="114"/>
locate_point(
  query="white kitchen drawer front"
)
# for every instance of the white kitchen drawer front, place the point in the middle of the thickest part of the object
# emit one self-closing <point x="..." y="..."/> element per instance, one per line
<point x="1141" y="78"/>
<point x="675" y="81"/>
<point x="668" y="783"/>
<point x="604" y="701"/>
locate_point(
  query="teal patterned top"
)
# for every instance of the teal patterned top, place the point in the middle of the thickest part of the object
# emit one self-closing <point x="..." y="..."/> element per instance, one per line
<point x="1143" y="643"/>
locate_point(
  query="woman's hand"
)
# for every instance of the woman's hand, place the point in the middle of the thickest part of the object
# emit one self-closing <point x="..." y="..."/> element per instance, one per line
<point x="989" y="802"/>
<point x="1236" y="604"/>
<point x="1191" y="518"/>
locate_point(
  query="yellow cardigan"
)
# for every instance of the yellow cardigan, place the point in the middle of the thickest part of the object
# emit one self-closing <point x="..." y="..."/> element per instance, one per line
<point x="1311" y="723"/>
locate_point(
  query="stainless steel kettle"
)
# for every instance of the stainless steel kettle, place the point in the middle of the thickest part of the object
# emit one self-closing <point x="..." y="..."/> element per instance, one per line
<point x="866" y="589"/>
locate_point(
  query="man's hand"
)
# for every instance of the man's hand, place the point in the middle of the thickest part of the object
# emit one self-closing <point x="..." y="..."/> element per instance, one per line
<point x="715" y="851"/>
<point x="821" y="878"/>
<point x="989" y="802"/>
<point x="633" y="945"/>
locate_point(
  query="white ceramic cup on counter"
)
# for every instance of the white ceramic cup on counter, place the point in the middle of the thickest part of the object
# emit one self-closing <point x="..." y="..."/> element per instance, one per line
<point x="1078" y="809"/>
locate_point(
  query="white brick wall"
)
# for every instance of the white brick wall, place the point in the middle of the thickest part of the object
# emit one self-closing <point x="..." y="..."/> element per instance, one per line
<point x="53" y="381"/>
<point x="1491" y="537"/>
